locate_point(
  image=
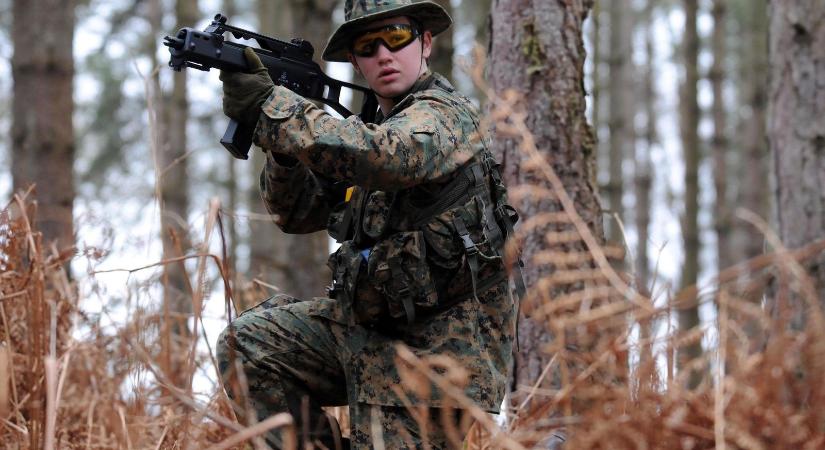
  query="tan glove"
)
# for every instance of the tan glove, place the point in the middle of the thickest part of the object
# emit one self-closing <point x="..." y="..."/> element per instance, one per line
<point x="245" y="93"/>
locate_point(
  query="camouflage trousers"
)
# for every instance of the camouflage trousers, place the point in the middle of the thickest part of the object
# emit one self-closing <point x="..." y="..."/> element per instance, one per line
<point x="277" y="357"/>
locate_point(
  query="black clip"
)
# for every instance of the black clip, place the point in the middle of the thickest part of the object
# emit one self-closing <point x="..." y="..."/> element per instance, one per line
<point x="469" y="245"/>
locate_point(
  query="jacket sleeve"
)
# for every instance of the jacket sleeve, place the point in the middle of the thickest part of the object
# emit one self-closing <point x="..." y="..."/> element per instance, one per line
<point x="423" y="142"/>
<point x="300" y="200"/>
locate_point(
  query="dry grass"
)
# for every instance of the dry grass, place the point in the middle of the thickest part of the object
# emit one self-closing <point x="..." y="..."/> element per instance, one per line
<point x="763" y="389"/>
<point x="105" y="391"/>
<point x="764" y="384"/>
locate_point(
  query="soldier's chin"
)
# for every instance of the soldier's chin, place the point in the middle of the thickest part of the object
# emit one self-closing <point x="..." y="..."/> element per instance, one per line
<point x="390" y="91"/>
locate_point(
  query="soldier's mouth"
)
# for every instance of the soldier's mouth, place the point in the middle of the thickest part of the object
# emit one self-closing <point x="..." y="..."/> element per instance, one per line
<point x="387" y="73"/>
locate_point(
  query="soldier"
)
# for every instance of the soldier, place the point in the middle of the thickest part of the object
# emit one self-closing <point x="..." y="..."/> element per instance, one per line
<point x="417" y="204"/>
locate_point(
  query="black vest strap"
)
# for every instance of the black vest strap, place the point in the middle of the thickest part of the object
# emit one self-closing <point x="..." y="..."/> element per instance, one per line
<point x="470" y="251"/>
<point x="456" y="192"/>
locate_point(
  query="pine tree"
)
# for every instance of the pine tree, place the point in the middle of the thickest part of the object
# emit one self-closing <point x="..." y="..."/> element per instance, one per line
<point x="42" y="131"/>
<point x="796" y="130"/>
<point x="720" y="143"/>
<point x="537" y="50"/>
<point x="643" y="173"/>
<point x="754" y="193"/>
<point x="689" y="315"/>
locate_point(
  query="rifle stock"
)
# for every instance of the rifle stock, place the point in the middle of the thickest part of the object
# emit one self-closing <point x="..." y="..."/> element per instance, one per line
<point x="289" y="64"/>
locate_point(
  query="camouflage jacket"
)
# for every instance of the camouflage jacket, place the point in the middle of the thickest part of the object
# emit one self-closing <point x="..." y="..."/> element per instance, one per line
<point x="379" y="189"/>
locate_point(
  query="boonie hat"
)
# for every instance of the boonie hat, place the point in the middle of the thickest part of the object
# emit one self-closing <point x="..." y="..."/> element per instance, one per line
<point x="357" y="13"/>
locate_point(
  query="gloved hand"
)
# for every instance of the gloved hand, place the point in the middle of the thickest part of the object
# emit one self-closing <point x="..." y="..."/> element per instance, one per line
<point x="245" y="93"/>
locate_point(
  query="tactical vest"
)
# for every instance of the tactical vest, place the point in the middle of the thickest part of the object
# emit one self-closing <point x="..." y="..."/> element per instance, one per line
<point x="417" y="251"/>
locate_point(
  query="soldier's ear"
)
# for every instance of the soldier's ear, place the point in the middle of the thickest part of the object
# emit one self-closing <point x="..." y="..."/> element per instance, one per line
<point x="427" y="44"/>
<point x="354" y="63"/>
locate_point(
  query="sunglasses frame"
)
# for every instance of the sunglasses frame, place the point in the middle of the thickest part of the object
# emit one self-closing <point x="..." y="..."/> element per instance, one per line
<point x="395" y="26"/>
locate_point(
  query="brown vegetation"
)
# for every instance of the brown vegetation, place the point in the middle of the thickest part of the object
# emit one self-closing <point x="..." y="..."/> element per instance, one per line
<point x="62" y="392"/>
<point x="764" y="369"/>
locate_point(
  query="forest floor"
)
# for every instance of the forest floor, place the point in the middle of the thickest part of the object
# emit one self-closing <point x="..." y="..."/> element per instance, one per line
<point x="610" y="381"/>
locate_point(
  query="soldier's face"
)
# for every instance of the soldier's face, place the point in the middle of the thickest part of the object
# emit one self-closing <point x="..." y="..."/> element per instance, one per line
<point x="391" y="73"/>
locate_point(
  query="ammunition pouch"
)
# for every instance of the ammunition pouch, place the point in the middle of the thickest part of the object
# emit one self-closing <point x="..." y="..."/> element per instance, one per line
<point x="346" y="264"/>
<point x="400" y="272"/>
<point x="420" y="242"/>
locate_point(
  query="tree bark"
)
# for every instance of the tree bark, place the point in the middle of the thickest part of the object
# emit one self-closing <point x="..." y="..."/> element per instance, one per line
<point x="689" y="316"/>
<point x="796" y="129"/>
<point x="596" y="75"/>
<point x="537" y="51"/>
<point x="42" y="131"/>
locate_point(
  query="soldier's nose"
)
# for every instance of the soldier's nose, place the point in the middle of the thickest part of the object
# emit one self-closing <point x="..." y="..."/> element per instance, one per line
<point x="382" y="52"/>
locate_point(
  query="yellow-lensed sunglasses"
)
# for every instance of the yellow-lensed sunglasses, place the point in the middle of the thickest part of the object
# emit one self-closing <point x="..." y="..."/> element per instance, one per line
<point x="395" y="37"/>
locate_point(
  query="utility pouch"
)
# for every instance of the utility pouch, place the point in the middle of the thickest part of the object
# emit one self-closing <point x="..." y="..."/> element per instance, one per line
<point x="345" y="263"/>
<point x="443" y="249"/>
<point x="339" y="222"/>
<point x="376" y="214"/>
<point x="399" y="270"/>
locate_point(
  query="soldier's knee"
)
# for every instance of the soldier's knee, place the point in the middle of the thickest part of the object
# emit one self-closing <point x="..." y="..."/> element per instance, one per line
<point x="240" y="340"/>
<point x="236" y="333"/>
<point x="224" y="348"/>
<point x="233" y="345"/>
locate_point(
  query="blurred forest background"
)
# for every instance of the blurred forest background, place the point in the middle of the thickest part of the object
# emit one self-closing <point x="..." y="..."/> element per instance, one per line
<point x="667" y="158"/>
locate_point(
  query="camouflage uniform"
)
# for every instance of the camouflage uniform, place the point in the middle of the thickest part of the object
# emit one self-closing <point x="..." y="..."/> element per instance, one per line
<point x="416" y="202"/>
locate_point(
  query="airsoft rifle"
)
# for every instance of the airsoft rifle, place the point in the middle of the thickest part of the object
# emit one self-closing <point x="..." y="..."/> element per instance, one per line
<point x="289" y="64"/>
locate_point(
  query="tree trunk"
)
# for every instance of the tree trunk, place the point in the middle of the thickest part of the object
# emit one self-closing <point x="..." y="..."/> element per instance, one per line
<point x="42" y="152"/>
<point x="537" y="51"/>
<point x="297" y="262"/>
<point x="596" y="75"/>
<point x="796" y="129"/>
<point x="689" y="316"/>
<point x="173" y="113"/>
<point x="723" y="217"/>
<point x="643" y="172"/>
<point x="621" y="112"/>
<point x="755" y="192"/>
<point x="42" y="133"/>
<point x="441" y="59"/>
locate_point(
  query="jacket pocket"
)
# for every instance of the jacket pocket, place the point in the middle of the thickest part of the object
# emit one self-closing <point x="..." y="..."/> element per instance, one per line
<point x="400" y="272"/>
<point x="346" y="264"/>
<point x="444" y="248"/>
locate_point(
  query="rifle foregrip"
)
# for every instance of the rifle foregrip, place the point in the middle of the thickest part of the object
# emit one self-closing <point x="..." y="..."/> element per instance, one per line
<point x="237" y="139"/>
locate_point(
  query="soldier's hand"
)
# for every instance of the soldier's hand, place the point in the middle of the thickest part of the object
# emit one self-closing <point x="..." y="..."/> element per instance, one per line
<point x="244" y="93"/>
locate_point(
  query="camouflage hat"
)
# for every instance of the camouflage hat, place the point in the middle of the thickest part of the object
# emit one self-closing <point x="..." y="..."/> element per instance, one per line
<point x="360" y="12"/>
